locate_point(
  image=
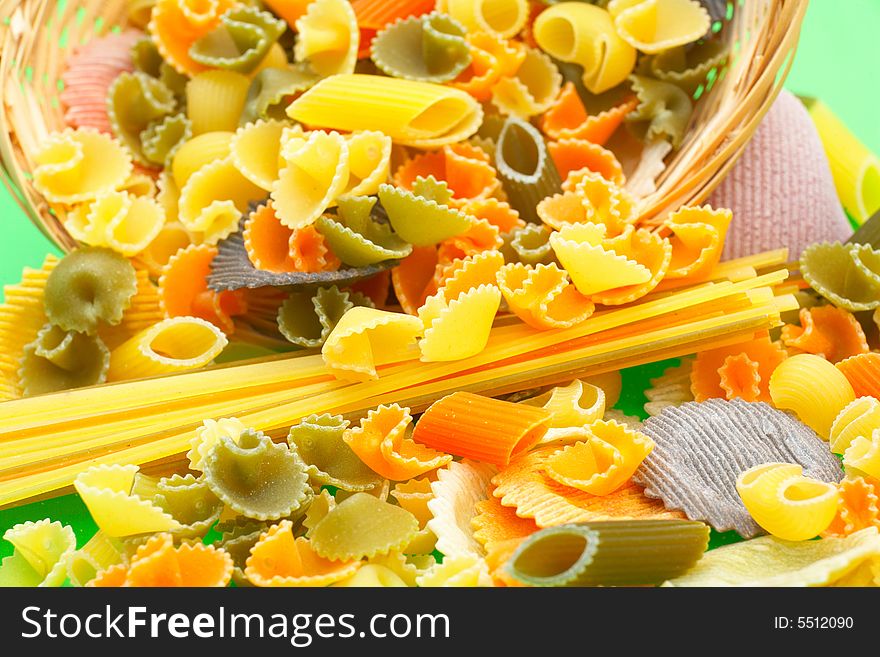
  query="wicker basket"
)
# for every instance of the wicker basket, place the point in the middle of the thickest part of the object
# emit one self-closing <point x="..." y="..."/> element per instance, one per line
<point x="38" y="35"/>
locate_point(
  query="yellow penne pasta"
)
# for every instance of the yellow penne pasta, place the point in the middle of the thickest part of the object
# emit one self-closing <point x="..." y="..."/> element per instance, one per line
<point x="215" y="100"/>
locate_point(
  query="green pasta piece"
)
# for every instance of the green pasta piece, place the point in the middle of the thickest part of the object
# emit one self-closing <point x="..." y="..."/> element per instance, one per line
<point x="256" y="477"/>
<point x="529" y="245"/>
<point x="664" y="110"/>
<point x="61" y="360"/>
<point x="240" y="42"/>
<point x="239" y="546"/>
<point x="356" y="238"/>
<point x="422" y="216"/>
<point x="429" y="48"/>
<point x="146" y="57"/>
<point x="89" y="285"/>
<point x="612" y="553"/>
<point x="162" y="138"/>
<point x="363" y="526"/>
<point x="267" y="96"/>
<point x="525" y="167"/>
<point x="317" y="439"/>
<point x="321" y="505"/>
<point x="190" y="502"/>
<point x="134" y="101"/>
<point x="848" y="275"/>
<point x="306" y="319"/>
<point x="688" y="67"/>
<point x="40" y="555"/>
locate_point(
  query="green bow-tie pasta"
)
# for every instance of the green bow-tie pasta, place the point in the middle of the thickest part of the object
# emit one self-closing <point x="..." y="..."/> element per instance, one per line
<point x="162" y="138"/>
<point x="664" y="110"/>
<point x="90" y="285"/>
<point x="422" y="216"/>
<point x="241" y="40"/>
<point x="356" y="238"/>
<point x="307" y="319"/>
<point x="529" y="245"/>
<point x="190" y="502"/>
<point x="134" y="101"/>
<point x="256" y="477"/>
<point x="61" y="360"/>
<point x="270" y="88"/>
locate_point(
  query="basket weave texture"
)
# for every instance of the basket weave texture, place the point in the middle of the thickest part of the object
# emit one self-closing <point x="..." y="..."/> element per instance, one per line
<point x="37" y="36"/>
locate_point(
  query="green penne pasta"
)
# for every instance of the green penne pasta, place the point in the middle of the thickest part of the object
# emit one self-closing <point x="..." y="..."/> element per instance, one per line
<point x="363" y="526"/>
<point x="429" y="48"/>
<point x="162" y="138"/>
<point x="612" y="553"/>
<point x="356" y="238"/>
<point x="88" y="286"/>
<point x="269" y="89"/>
<point x="306" y="319"/>
<point x="241" y="40"/>
<point x="61" y="360"/>
<point x="134" y="101"/>
<point x="317" y="439"/>
<point x="525" y="168"/>
<point x="256" y="477"/>
<point x="422" y="216"/>
<point x="664" y="110"/>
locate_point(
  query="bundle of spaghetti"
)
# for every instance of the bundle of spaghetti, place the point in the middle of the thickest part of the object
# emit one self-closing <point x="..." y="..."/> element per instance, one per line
<point x="46" y="441"/>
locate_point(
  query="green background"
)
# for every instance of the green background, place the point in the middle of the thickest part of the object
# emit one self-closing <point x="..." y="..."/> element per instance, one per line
<point x="837" y="61"/>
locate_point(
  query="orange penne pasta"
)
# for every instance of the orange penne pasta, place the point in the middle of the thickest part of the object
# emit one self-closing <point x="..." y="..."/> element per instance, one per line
<point x="184" y="291"/>
<point x="567" y="118"/>
<point x="827" y="331"/>
<point x="267" y="241"/>
<point x="863" y="374"/>
<point x="481" y="428"/>
<point x="575" y="154"/>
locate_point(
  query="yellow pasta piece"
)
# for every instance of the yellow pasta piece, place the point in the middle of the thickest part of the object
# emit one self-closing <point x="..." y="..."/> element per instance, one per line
<point x="313" y="176"/>
<point x="460" y="571"/>
<point x="416" y="114"/>
<point x="858" y="418"/>
<point x="208" y="435"/>
<point x="862" y="457"/>
<point x="698" y="239"/>
<point x="79" y="165"/>
<point x="372" y="576"/>
<point x="106" y="491"/>
<point x="593" y="267"/>
<point x="118" y="220"/>
<point x="543" y="296"/>
<point x="214" y="199"/>
<point x="366" y="338"/>
<point x="786" y="503"/>
<point x="603" y="463"/>
<point x="532" y="89"/>
<point x="502" y="17"/>
<point x="256" y="152"/>
<point x="603" y="201"/>
<point x="173" y="345"/>
<point x="328" y="37"/>
<point x="456" y="492"/>
<point x="813" y="388"/>
<point x="458" y="327"/>
<point x="41" y="552"/>
<point x="585" y="35"/>
<point x="575" y="405"/>
<point x="199" y="151"/>
<point x="369" y="162"/>
<point x="215" y="100"/>
<point x="653" y="26"/>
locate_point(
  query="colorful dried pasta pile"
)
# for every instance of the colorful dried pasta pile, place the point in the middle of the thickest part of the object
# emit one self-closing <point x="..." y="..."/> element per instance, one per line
<point x="417" y="226"/>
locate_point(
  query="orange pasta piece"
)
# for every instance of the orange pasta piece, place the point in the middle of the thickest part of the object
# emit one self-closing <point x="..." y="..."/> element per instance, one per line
<point x="863" y="374"/>
<point x="492" y="58"/>
<point x="739" y="377"/>
<point x="112" y="577"/>
<point x="481" y="236"/>
<point x="567" y="118"/>
<point x="309" y="251"/>
<point x="382" y="442"/>
<point x="561" y="209"/>
<point x="184" y="292"/>
<point x="494" y="524"/>
<point x="473" y="271"/>
<point x="498" y="556"/>
<point x="525" y="486"/>
<point x="762" y="355"/>
<point x="289" y="10"/>
<point x="376" y="288"/>
<point x="464" y="168"/>
<point x="177" y="24"/>
<point x="528" y="34"/>
<point x="413" y="278"/>
<point x="828" y="331"/>
<point x="542" y="296"/>
<point x="267" y="241"/>
<point x="481" y="428"/>
<point x="498" y="213"/>
<point x="374" y="15"/>
<point x="576" y="154"/>
<point x="858" y="507"/>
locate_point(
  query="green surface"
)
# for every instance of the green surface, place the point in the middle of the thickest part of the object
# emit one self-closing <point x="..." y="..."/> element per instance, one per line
<point x="836" y="61"/>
